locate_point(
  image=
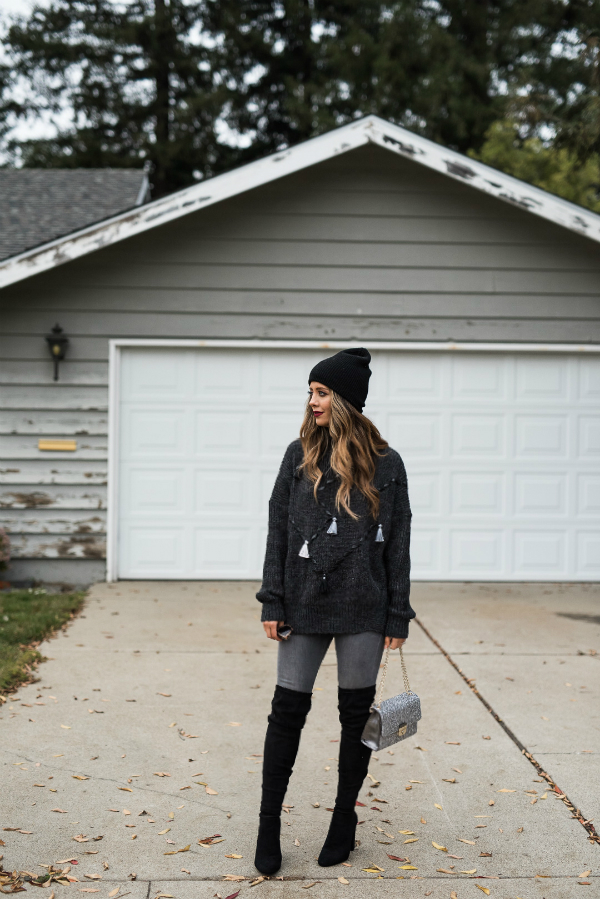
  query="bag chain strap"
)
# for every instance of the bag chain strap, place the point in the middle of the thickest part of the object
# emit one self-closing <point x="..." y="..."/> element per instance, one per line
<point x="383" y="676"/>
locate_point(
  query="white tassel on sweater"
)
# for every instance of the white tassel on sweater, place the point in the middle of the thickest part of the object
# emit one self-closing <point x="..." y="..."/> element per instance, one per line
<point x="333" y="527"/>
<point x="379" y="537"/>
<point x="304" y="551"/>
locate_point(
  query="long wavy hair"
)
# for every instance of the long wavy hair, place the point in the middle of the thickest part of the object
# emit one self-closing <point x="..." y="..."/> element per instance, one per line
<point x="355" y="445"/>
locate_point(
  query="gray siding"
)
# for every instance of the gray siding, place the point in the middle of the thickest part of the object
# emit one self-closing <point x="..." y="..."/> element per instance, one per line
<point x="364" y="247"/>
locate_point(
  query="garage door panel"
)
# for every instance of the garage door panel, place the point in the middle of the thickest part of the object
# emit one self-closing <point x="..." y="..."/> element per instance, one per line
<point x="478" y="435"/>
<point x="222" y="492"/>
<point x="218" y="374"/>
<point x="410" y="377"/>
<point x="588" y="495"/>
<point x="479" y="377"/>
<point x="540" y="494"/>
<point x="285" y="373"/>
<point x="425" y="552"/>
<point x="226" y="432"/>
<point x="501" y="449"/>
<point x="218" y="549"/>
<point x="481" y="493"/>
<point x="587" y="554"/>
<point x="477" y="551"/>
<point x="157" y="376"/>
<point x="588" y="442"/>
<point x="425" y="490"/>
<point x="589" y="380"/>
<point x="543" y="436"/>
<point x="417" y="435"/>
<point x="155" y="490"/>
<point x="158" y="433"/>
<point x="540" y="553"/>
<point x="276" y="432"/>
<point x="547" y="380"/>
<point x="154" y="551"/>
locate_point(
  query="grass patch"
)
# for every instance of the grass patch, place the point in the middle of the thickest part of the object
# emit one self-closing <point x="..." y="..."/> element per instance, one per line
<point x="26" y="618"/>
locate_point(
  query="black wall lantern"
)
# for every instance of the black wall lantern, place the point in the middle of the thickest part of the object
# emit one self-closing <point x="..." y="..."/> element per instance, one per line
<point x="57" y="344"/>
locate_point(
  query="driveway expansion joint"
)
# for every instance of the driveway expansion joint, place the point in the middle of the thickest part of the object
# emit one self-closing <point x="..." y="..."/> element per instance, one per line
<point x="593" y="835"/>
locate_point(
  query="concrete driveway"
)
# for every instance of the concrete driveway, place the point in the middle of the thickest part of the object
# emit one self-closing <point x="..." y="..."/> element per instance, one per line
<point x="144" y="733"/>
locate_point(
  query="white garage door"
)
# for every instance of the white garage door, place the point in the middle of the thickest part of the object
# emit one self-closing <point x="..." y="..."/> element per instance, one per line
<point x="502" y="452"/>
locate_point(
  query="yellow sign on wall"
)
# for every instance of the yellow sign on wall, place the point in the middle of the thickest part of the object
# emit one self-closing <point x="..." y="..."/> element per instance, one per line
<point x="65" y="446"/>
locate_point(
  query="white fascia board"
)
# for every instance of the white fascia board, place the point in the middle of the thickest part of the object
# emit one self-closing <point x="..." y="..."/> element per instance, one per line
<point x="318" y="149"/>
<point x="373" y="345"/>
<point x="483" y="177"/>
<point x="199" y="196"/>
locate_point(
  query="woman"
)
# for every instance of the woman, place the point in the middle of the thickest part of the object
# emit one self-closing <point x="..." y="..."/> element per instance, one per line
<point x="337" y="567"/>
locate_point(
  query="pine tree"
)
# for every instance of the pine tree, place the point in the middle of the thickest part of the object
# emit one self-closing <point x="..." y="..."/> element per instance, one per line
<point x="139" y="87"/>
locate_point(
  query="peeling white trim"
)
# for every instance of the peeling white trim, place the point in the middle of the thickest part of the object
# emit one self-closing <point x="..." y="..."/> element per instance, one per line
<point x="318" y="149"/>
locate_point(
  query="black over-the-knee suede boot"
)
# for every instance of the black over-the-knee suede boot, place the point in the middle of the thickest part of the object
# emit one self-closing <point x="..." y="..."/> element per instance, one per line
<point x="354" y="706"/>
<point x="288" y="715"/>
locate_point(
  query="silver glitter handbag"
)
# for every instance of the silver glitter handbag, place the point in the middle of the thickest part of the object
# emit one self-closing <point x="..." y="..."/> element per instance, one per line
<point x="393" y="719"/>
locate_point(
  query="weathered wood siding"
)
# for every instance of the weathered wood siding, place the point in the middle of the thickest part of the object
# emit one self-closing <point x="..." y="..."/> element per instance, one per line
<point x="364" y="247"/>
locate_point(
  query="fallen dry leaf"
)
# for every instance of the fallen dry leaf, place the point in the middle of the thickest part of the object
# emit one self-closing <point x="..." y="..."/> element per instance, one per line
<point x="175" y="851"/>
<point x="374" y="869"/>
<point x="126" y="789"/>
<point x="343" y="880"/>
<point x="396" y="858"/>
<point x="445" y="871"/>
<point x="114" y="892"/>
<point x="163" y="694"/>
<point x="438" y="806"/>
<point x="233" y="855"/>
<point x="166" y="830"/>
<point x="233" y="724"/>
<point x="449" y="780"/>
<point x="412" y="840"/>
<point x="66" y="726"/>
<point x="470" y="842"/>
<point x="234" y="877"/>
<point x="483" y="889"/>
<point x="437" y="846"/>
<point x="233" y="895"/>
<point x="472" y="871"/>
<point x="453" y="895"/>
<point x="408" y="868"/>
<point x="485" y="855"/>
<point x="80" y="838"/>
<point x="161" y="774"/>
<point x="211" y="792"/>
<point x="506" y="791"/>
<point x="452" y="743"/>
<point x="586" y="873"/>
<point x="61" y="811"/>
<point x="79" y="777"/>
<point x="307" y="886"/>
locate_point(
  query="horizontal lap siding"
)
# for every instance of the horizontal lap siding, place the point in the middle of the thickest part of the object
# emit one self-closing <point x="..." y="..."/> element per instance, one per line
<point x="364" y="247"/>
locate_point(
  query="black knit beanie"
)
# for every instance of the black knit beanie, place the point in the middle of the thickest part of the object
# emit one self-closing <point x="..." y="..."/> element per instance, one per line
<point x="347" y="373"/>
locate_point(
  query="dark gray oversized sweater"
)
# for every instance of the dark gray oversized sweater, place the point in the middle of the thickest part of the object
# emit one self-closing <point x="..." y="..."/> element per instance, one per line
<point x="355" y="580"/>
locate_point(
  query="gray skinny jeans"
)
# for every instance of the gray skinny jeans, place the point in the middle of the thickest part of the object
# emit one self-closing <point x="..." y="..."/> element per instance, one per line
<point x="358" y="659"/>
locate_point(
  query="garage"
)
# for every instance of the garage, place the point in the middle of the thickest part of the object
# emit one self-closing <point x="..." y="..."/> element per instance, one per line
<point x="501" y="447"/>
<point x="191" y="322"/>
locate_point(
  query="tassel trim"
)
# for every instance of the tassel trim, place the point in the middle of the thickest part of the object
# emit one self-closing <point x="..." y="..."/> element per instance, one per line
<point x="332" y="527"/>
<point x="304" y="553"/>
<point x="379" y="537"/>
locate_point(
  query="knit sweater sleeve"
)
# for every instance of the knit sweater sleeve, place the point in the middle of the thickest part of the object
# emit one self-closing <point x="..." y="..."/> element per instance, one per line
<point x="272" y="591"/>
<point x="397" y="561"/>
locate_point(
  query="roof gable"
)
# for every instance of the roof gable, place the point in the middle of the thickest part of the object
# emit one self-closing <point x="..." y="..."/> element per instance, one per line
<point x="368" y="130"/>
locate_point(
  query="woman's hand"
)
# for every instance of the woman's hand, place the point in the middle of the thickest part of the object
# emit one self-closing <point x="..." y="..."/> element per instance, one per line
<point x="395" y="642"/>
<point x="271" y="630"/>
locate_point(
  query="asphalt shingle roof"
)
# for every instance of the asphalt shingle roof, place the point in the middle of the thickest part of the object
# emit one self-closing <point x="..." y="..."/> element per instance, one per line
<point x="39" y="205"/>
